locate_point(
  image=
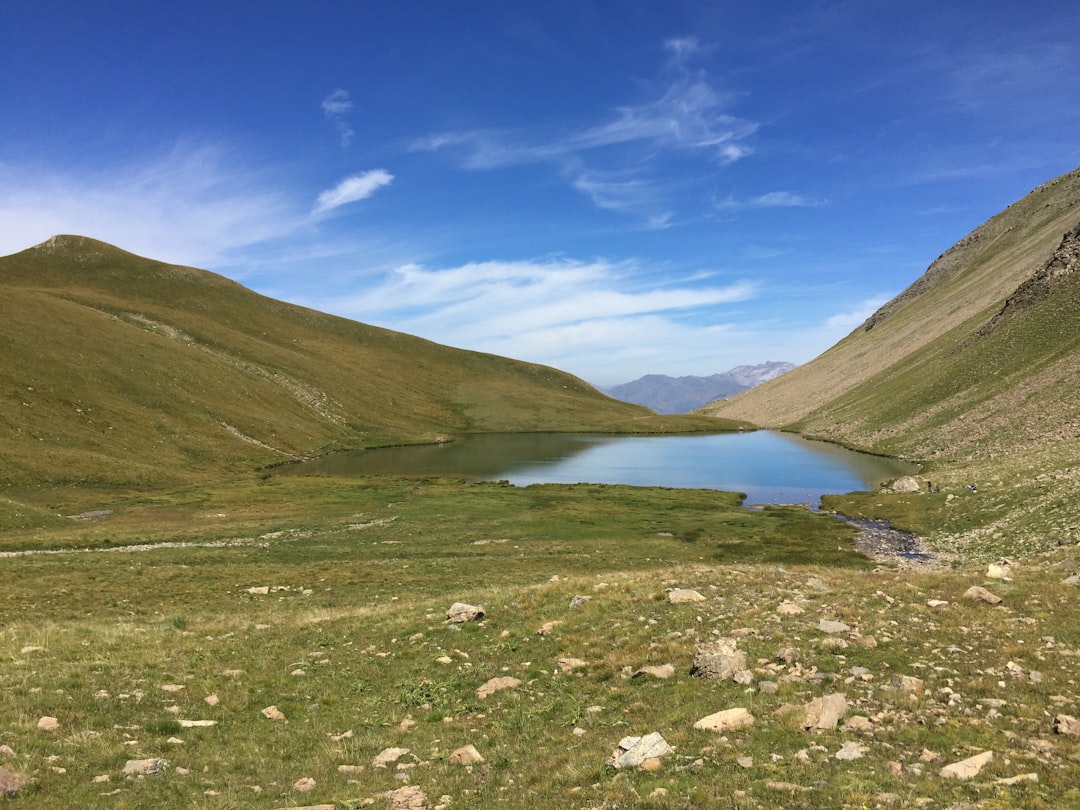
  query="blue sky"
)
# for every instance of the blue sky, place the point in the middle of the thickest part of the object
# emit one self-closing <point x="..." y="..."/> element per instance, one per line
<point x="615" y="189"/>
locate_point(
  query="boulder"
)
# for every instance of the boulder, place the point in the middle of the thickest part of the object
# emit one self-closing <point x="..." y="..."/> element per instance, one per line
<point x="906" y="484"/>
<point x="466" y="755"/>
<point x="725" y="720"/>
<point x="967" y="768"/>
<point x="497" y="685"/>
<point x="718" y="660"/>
<point x="11" y="782"/>
<point x="144" y="767"/>
<point x="1066" y="724"/>
<point x="822" y="714"/>
<point x="977" y="593"/>
<point x="634" y="752"/>
<point x="461" y="612"/>
<point x="679" y="596"/>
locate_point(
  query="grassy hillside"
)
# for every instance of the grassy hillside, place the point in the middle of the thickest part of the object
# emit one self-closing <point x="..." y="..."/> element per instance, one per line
<point x="974" y="369"/>
<point x="124" y="372"/>
<point x="900" y="382"/>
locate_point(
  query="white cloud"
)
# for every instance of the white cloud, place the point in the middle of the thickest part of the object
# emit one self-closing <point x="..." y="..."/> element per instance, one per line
<point x="587" y="317"/>
<point x="842" y="323"/>
<point x="357" y="187"/>
<point x="192" y="205"/>
<point x="771" y="199"/>
<point x="335" y="106"/>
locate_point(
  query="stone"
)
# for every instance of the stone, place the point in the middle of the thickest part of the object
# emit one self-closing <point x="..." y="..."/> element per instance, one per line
<point x="388" y="756"/>
<point x="548" y="627"/>
<point x="461" y="612"/>
<point x="11" y="782"/>
<point x="906" y="484"/>
<point x="998" y="571"/>
<point x="822" y="714"/>
<point x="850" y="750"/>
<point x="48" y="724"/>
<point x="717" y="660"/>
<point x="497" y="685"/>
<point x="273" y="713"/>
<point x="832" y="627"/>
<point x="410" y="797"/>
<point x="634" y="751"/>
<point x="304" y="784"/>
<point x="967" y="768"/>
<point x="663" y="671"/>
<point x="679" y="596"/>
<point x="579" y="600"/>
<point x="725" y="720"/>
<point x="789" y="609"/>
<point x="144" y="767"/>
<point x="858" y="723"/>
<point x="570" y="664"/>
<point x="173" y="688"/>
<point x="1018" y="779"/>
<point x="197" y="723"/>
<point x="349" y="770"/>
<point x="259" y="590"/>
<point x="744" y="762"/>
<point x="907" y="683"/>
<point x="211" y="700"/>
<point x="466" y="755"/>
<point x="980" y="594"/>
<point x="6" y="751"/>
<point x="936" y="603"/>
<point x="1066" y="724"/>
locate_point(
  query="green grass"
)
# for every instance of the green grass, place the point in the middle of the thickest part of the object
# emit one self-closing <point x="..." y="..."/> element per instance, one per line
<point x="349" y="642"/>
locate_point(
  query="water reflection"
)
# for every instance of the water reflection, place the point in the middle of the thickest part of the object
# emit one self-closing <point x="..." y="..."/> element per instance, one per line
<point x="768" y="467"/>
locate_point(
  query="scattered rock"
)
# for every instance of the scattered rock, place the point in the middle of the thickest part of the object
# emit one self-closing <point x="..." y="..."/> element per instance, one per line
<point x="460" y="612"/>
<point x="409" y="797"/>
<point x="570" y="664"/>
<point x="832" y="627"/>
<point x="858" y="723"/>
<point x="663" y="671"/>
<point x="744" y="762"/>
<point x="634" y="751"/>
<point x="980" y="594"/>
<point x="850" y="750"/>
<point x="11" y="782"/>
<point x="259" y="590"/>
<point x="906" y="484"/>
<point x="197" y="723"/>
<point x="48" y="724"/>
<point x="497" y="685"/>
<point x="1066" y="724"/>
<point x="173" y="688"/>
<point x="304" y="784"/>
<point x="547" y="627"/>
<point x="466" y="755"/>
<point x="717" y="660"/>
<point x="822" y="714"/>
<point x="936" y="603"/>
<point x="725" y="720"/>
<point x="679" y="596"/>
<point x="999" y="571"/>
<point x="578" y="601"/>
<point x="273" y="713"/>
<point x="388" y="756"/>
<point x="967" y="768"/>
<point x="144" y="767"/>
<point x="906" y="683"/>
<point x="789" y="609"/>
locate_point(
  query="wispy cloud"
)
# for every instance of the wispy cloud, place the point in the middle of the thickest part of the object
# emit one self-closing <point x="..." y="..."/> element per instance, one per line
<point x="771" y="199"/>
<point x="195" y="204"/>
<point x="335" y="107"/>
<point x="357" y="187"/>
<point x="843" y="322"/>
<point x="684" y="115"/>
<point x="553" y="311"/>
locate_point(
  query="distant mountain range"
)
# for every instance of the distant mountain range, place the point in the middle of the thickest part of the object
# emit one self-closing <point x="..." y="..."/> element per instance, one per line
<point x="682" y="394"/>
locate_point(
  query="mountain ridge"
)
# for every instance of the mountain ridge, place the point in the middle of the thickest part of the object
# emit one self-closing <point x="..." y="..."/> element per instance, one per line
<point x="670" y="395"/>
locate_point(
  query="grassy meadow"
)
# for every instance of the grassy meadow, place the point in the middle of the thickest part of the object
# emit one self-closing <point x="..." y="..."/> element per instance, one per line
<point x="327" y="599"/>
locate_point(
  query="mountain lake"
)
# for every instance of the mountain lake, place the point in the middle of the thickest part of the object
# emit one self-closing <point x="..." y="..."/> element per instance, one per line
<point x="769" y="467"/>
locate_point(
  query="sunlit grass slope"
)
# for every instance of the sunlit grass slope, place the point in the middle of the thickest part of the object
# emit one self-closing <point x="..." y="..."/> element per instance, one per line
<point x="124" y="372"/>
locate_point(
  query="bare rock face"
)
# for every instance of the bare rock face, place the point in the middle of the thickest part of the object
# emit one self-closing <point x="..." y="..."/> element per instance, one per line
<point x="718" y="660"/>
<point x="461" y="612"/>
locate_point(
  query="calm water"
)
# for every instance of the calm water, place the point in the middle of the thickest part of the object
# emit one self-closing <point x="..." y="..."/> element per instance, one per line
<point x="768" y="467"/>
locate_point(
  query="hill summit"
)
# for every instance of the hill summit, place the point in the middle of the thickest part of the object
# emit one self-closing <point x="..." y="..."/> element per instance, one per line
<point x="665" y="394"/>
<point x="121" y="370"/>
